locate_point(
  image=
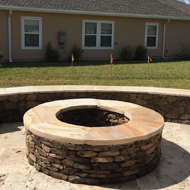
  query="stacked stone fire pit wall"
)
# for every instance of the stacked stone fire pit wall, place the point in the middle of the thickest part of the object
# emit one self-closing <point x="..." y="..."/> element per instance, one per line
<point x="93" y="164"/>
<point x="172" y="104"/>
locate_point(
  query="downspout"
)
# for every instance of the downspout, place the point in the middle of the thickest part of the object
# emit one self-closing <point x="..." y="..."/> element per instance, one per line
<point x="164" y="34"/>
<point x="9" y="34"/>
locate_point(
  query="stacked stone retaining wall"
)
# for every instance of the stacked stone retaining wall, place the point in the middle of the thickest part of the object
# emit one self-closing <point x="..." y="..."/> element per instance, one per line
<point x="174" y="108"/>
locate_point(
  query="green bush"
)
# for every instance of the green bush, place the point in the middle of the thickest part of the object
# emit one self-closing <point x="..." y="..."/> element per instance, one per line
<point x="77" y="52"/>
<point x="2" y="54"/>
<point x="51" y="53"/>
<point x="183" y="54"/>
<point x="141" y="52"/>
<point x="127" y="52"/>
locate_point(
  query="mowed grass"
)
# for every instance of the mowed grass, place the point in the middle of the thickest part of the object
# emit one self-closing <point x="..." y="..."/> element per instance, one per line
<point x="162" y="73"/>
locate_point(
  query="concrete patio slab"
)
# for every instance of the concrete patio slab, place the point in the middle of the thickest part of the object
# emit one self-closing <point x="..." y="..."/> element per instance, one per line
<point x="173" y="172"/>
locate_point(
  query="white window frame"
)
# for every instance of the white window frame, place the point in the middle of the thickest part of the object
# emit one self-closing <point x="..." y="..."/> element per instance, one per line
<point x="146" y="35"/>
<point x="98" y="35"/>
<point x="23" y="18"/>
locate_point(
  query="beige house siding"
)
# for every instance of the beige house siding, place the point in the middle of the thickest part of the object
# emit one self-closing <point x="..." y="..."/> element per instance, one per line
<point x="127" y="31"/>
<point x="177" y="32"/>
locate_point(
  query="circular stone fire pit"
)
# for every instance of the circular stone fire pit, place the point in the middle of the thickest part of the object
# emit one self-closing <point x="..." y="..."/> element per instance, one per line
<point x="93" y="141"/>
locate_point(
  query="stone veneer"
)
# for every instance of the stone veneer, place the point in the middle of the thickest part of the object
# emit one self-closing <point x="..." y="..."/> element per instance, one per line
<point x="172" y="104"/>
<point x="93" y="164"/>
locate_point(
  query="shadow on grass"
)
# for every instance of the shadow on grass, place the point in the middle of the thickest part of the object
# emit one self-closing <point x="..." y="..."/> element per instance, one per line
<point x="82" y="63"/>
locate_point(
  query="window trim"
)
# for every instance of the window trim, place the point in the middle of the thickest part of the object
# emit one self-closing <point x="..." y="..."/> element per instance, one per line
<point x="98" y="34"/>
<point x="23" y="33"/>
<point x="146" y="29"/>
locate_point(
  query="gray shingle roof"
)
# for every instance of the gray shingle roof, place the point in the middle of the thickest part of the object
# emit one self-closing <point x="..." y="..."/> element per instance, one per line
<point x="165" y="8"/>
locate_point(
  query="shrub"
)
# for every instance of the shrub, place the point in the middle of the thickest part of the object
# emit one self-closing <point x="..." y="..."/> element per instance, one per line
<point x="51" y="53"/>
<point x="2" y="54"/>
<point x="183" y="54"/>
<point x="127" y="52"/>
<point x="141" y="52"/>
<point x="77" y="52"/>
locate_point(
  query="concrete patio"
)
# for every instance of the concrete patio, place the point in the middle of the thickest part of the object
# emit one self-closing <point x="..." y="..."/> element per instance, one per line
<point x="173" y="172"/>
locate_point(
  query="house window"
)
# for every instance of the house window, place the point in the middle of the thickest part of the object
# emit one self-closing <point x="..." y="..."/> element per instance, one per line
<point x="97" y="34"/>
<point x="31" y="32"/>
<point x="151" y="35"/>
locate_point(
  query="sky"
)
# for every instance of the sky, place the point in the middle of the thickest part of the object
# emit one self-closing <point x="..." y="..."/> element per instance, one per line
<point x="185" y="1"/>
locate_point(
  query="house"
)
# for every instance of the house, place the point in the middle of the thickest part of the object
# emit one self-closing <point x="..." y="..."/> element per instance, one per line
<point x="100" y="27"/>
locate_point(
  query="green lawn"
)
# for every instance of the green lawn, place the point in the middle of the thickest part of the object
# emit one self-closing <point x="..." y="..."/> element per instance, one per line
<point x="163" y="73"/>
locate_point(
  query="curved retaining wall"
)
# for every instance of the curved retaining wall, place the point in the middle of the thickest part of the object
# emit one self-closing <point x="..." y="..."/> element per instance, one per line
<point x="172" y="104"/>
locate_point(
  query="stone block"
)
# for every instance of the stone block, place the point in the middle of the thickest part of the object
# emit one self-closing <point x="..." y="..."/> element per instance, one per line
<point x="32" y="157"/>
<point x="22" y="97"/>
<point x="128" y="163"/>
<point x="150" y="150"/>
<point x="47" y="142"/>
<point x="76" y="179"/>
<point x="3" y="98"/>
<point x="45" y="171"/>
<point x="131" y="172"/>
<point x="58" y="166"/>
<point x="54" y="160"/>
<point x="87" y="154"/>
<point x="101" y="148"/>
<point x="59" y="152"/>
<point x="75" y="147"/>
<point x="116" y="175"/>
<point x="46" y="148"/>
<point x="37" y="166"/>
<point x="148" y="158"/>
<point x="97" y="175"/>
<point x="172" y="114"/>
<point x="52" y="169"/>
<point x="133" y="97"/>
<point x="121" y="158"/>
<point x="116" y="147"/>
<point x="147" y="146"/>
<point x="82" y="166"/>
<point x="68" y="162"/>
<point x="37" y="142"/>
<point x="137" y="155"/>
<point x="13" y="98"/>
<point x="57" y="156"/>
<point x="30" y="161"/>
<point x="37" y="155"/>
<point x="41" y="164"/>
<point x="109" y="153"/>
<point x="58" y="175"/>
<point x="41" y="151"/>
<point x="129" y="151"/>
<point x="31" y="104"/>
<point x="31" y="97"/>
<point x="96" y="172"/>
<point x="69" y="171"/>
<point x="109" y="166"/>
<point x="102" y="159"/>
<point x="83" y="175"/>
<point x="91" y="181"/>
<point x="10" y="106"/>
<point x="140" y="101"/>
<point x="78" y="159"/>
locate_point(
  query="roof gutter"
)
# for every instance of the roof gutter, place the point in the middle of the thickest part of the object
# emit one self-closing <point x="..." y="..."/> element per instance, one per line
<point x="164" y="35"/>
<point x="9" y="34"/>
<point x="16" y="8"/>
